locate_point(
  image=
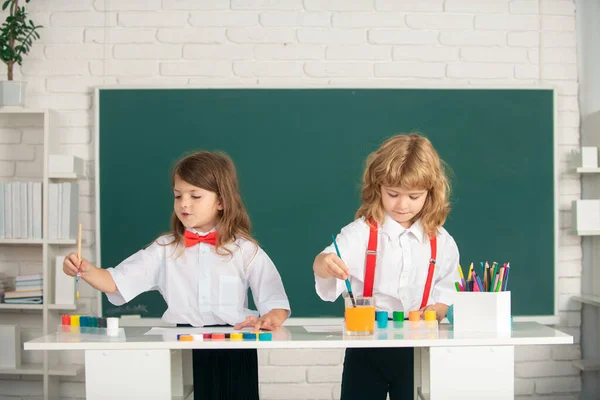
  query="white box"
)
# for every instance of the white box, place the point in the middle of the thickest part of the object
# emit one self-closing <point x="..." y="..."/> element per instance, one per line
<point x="64" y="285"/>
<point x="586" y="217"/>
<point x="10" y="346"/>
<point x="589" y="157"/>
<point x="482" y="312"/>
<point x="59" y="164"/>
<point x="495" y="364"/>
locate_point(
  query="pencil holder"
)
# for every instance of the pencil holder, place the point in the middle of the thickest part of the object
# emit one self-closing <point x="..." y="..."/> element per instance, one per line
<point x="482" y="312"/>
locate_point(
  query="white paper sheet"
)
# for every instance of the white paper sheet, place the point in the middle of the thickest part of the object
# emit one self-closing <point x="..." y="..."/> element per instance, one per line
<point x="170" y="334"/>
<point x="195" y="331"/>
<point x="323" y="328"/>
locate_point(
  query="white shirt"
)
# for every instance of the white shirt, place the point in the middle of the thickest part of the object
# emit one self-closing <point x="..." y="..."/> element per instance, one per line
<point x="401" y="268"/>
<point x="200" y="286"/>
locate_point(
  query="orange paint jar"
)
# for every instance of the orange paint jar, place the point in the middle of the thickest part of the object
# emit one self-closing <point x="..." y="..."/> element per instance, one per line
<point x="359" y="315"/>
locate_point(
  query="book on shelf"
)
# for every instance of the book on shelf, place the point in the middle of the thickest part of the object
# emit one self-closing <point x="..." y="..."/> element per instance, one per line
<point x="63" y="210"/>
<point x="5" y="284"/>
<point x="21" y="210"/>
<point x="30" y="277"/>
<point x="22" y="294"/>
<point x="25" y="300"/>
<point x="32" y="282"/>
<point x="27" y="289"/>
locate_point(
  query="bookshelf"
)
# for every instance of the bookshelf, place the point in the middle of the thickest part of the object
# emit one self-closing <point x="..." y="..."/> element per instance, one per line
<point x="21" y="306"/>
<point x="38" y="369"/>
<point x="39" y="318"/>
<point x="582" y="170"/>
<point x="586" y="221"/>
<point x="21" y="241"/>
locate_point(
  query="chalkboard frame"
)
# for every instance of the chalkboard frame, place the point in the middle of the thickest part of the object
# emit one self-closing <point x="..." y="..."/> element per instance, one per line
<point x="546" y="319"/>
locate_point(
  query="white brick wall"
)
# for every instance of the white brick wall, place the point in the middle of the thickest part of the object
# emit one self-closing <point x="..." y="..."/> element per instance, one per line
<point x="294" y="43"/>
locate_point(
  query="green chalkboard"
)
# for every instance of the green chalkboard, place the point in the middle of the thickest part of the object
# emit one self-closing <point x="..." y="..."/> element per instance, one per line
<point x="300" y="155"/>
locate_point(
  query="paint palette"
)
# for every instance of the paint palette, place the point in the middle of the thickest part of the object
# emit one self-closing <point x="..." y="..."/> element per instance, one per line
<point x="261" y="336"/>
<point x="83" y="320"/>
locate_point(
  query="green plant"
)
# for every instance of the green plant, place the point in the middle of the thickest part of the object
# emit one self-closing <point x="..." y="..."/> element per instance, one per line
<point x="16" y="35"/>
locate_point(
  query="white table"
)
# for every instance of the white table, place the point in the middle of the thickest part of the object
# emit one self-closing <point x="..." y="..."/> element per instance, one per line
<point x="138" y="366"/>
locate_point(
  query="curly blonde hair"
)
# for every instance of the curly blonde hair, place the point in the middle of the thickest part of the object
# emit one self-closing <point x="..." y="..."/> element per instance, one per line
<point x="407" y="161"/>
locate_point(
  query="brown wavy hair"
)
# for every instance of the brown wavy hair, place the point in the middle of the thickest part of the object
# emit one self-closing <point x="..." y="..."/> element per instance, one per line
<point x="407" y="161"/>
<point x="215" y="172"/>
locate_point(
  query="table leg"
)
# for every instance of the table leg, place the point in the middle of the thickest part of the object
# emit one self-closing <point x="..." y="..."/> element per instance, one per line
<point x="181" y="374"/>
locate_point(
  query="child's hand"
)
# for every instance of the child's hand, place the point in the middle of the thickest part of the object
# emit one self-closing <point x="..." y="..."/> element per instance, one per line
<point x="72" y="266"/>
<point x="265" y="322"/>
<point x="269" y="322"/>
<point x="333" y="266"/>
<point x="439" y="308"/>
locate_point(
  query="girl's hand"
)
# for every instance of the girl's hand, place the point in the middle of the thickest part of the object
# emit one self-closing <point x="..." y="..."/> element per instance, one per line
<point x="439" y="308"/>
<point x="269" y="322"/>
<point x="72" y="266"/>
<point x="333" y="266"/>
<point x="265" y="322"/>
<point x="98" y="278"/>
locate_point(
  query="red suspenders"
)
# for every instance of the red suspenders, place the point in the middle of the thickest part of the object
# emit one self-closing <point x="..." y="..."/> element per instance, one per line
<point x="433" y="245"/>
<point x="372" y="258"/>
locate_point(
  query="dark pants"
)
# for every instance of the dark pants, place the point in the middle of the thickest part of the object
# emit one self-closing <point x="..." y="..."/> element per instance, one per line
<point x="372" y="373"/>
<point x="225" y="374"/>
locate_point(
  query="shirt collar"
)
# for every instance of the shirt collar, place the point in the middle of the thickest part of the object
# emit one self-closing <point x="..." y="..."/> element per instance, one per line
<point x="393" y="229"/>
<point x="417" y="230"/>
<point x="193" y="230"/>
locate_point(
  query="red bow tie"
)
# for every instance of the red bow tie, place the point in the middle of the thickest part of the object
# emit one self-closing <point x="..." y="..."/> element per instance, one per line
<point x="192" y="238"/>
